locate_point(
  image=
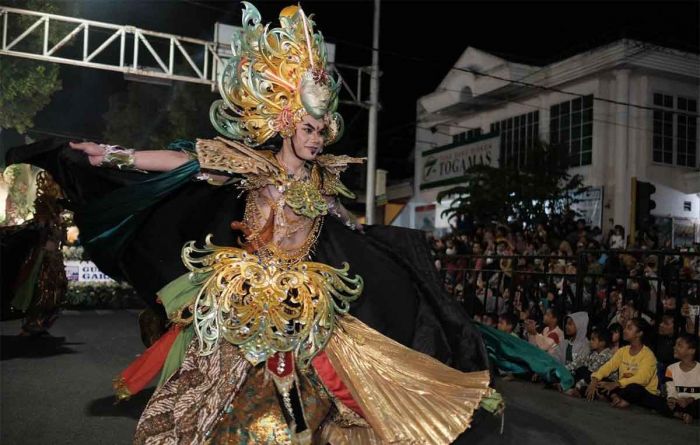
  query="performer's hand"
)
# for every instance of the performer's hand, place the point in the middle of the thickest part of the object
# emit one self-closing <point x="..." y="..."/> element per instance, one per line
<point x="94" y="152"/>
<point x="671" y="402"/>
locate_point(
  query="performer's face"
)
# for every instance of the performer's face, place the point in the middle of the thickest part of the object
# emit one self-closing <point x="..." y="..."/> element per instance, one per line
<point x="309" y="137"/>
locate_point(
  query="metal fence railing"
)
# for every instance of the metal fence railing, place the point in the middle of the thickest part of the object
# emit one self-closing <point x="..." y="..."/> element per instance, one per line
<point x="656" y="282"/>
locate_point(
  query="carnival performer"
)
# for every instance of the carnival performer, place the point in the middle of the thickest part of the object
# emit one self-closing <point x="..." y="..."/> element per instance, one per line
<point x="33" y="275"/>
<point x="289" y="322"/>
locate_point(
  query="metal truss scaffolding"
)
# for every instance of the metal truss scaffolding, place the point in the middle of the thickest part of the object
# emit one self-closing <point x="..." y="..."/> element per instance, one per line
<point x="137" y="53"/>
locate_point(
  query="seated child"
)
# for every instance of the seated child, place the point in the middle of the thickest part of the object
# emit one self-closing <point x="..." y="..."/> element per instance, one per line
<point x="551" y="335"/>
<point x="636" y="365"/>
<point x="490" y="319"/>
<point x="507" y="323"/>
<point x="583" y="367"/>
<point x="683" y="380"/>
<point x="575" y="345"/>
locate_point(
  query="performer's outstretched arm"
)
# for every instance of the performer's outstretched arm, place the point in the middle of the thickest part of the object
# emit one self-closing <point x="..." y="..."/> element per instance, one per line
<point x="346" y="216"/>
<point x="117" y="157"/>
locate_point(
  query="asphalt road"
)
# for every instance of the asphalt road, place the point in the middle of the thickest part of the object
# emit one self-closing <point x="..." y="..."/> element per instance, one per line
<point x="58" y="391"/>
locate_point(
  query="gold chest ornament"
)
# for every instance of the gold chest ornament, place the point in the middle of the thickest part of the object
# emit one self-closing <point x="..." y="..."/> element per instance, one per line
<point x="266" y="307"/>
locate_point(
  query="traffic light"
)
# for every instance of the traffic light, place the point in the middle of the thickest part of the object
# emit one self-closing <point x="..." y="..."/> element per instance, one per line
<point x="644" y="205"/>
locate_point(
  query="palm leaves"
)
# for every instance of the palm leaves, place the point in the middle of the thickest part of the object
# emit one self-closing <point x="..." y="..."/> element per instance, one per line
<point x="529" y="193"/>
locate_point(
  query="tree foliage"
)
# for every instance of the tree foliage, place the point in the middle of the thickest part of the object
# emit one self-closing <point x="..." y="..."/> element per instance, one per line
<point x="528" y="194"/>
<point x="27" y="85"/>
<point x="151" y="116"/>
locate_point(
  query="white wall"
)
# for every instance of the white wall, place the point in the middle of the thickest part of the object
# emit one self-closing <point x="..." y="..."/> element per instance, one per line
<point x="669" y="202"/>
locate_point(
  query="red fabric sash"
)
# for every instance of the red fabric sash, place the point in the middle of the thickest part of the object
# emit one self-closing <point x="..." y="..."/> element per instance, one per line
<point x="332" y="381"/>
<point x="146" y="367"/>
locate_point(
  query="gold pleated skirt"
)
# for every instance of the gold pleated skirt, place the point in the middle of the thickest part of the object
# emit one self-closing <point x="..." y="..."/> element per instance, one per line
<point x="407" y="397"/>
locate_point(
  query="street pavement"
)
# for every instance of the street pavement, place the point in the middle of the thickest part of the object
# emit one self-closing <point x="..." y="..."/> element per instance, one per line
<point x="57" y="391"/>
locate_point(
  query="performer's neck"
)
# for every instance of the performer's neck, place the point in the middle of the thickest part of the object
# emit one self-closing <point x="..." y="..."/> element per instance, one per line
<point x="289" y="159"/>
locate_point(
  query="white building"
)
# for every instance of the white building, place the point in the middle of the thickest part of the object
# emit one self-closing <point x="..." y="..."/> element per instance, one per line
<point x="488" y="109"/>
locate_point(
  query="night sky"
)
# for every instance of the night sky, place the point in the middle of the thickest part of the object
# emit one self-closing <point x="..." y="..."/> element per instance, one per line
<point x="419" y="42"/>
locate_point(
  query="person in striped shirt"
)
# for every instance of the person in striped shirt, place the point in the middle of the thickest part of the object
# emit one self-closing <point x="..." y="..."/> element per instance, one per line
<point x="683" y="380"/>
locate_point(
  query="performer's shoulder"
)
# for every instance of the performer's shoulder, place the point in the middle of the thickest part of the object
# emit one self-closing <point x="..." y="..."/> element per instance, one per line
<point x="233" y="157"/>
<point x="331" y="166"/>
<point x="337" y="163"/>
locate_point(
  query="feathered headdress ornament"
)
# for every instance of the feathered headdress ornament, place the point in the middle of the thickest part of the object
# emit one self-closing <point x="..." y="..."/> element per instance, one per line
<point x="274" y="79"/>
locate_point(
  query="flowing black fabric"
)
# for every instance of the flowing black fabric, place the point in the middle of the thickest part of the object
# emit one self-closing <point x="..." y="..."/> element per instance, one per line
<point x="402" y="297"/>
<point x="16" y="246"/>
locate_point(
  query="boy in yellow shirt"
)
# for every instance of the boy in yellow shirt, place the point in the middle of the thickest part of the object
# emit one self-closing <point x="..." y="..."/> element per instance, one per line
<point x="636" y="366"/>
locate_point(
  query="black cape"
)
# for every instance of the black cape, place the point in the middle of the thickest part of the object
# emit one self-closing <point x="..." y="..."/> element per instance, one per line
<point x="136" y="225"/>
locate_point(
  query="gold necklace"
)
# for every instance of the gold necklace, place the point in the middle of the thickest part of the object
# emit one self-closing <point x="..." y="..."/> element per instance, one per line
<point x="271" y="253"/>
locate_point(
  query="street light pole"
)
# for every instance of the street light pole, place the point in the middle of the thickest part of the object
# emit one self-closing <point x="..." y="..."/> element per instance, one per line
<point x="373" y="114"/>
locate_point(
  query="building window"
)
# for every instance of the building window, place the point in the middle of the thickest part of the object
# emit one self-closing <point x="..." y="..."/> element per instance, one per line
<point x="571" y="129"/>
<point x="687" y="206"/>
<point x="518" y="135"/>
<point x="663" y="129"/>
<point x="687" y="133"/>
<point x="675" y="132"/>
<point x="466" y="136"/>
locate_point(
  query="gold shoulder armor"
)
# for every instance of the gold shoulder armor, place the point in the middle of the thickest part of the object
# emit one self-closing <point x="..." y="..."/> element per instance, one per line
<point x="233" y="157"/>
<point x="332" y="166"/>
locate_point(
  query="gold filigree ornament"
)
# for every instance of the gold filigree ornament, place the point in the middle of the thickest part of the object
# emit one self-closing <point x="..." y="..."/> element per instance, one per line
<point x="305" y="199"/>
<point x="265" y="308"/>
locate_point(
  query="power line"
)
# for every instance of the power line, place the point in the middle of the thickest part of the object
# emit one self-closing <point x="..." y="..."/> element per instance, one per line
<point x="417" y="123"/>
<point x="514" y="101"/>
<point x="644" y="47"/>
<point x="602" y="121"/>
<point x="570" y="93"/>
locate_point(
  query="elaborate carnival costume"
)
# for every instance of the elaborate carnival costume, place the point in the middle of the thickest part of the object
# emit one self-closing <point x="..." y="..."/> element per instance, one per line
<point x="305" y="330"/>
<point x="33" y="273"/>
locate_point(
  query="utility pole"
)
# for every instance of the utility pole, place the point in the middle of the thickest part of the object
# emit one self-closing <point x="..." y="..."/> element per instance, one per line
<point x="373" y="114"/>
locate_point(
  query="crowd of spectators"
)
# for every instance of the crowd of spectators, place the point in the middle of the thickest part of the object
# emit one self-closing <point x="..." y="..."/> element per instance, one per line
<point x="621" y="315"/>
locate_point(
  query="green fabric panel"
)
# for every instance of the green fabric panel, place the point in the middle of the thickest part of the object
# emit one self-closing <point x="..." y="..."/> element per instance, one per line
<point x="178" y="293"/>
<point x="176" y="354"/>
<point x="183" y="145"/>
<point x="493" y="403"/>
<point x="25" y="291"/>
<point x="515" y="355"/>
<point x="174" y="295"/>
<point x="107" y="224"/>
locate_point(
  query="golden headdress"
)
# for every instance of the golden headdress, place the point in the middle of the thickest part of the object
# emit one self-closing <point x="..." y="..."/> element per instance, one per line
<point x="275" y="77"/>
